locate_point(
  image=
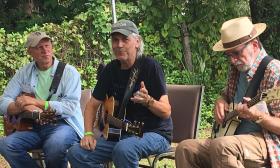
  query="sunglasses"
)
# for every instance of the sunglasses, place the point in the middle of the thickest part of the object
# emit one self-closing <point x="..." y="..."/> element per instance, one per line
<point x="236" y="52"/>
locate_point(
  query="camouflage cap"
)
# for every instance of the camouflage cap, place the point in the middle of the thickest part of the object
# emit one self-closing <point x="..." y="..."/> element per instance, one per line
<point x="125" y="27"/>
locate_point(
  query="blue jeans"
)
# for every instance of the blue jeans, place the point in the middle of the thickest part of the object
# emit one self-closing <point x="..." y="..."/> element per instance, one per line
<point x="53" y="139"/>
<point x="125" y="154"/>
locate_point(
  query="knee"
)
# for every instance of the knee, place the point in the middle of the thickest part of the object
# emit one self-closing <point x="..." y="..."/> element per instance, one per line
<point x="73" y="153"/>
<point x="120" y="150"/>
<point x="8" y="145"/>
<point x="123" y="151"/>
<point x="185" y="147"/>
<point x="55" y="151"/>
<point x="219" y="145"/>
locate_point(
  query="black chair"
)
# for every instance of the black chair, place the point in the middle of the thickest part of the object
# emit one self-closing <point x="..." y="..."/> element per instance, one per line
<point x="186" y="103"/>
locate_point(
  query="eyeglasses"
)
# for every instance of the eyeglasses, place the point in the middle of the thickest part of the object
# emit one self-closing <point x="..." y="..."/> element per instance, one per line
<point x="236" y="53"/>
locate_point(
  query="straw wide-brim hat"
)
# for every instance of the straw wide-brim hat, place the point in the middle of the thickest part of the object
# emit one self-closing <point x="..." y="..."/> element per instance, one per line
<point x="236" y="32"/>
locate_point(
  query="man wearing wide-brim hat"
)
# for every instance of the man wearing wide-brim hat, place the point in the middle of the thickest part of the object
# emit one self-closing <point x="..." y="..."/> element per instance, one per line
<point x="255" y="141"/>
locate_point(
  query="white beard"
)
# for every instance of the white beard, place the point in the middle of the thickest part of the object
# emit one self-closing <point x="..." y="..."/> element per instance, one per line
<point x="243" y="68"/>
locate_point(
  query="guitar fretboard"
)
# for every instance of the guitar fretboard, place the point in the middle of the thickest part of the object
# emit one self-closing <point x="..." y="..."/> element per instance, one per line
<point x="115" y="121"/>
<point x="251" y="103"/>
<point x="30" y="115"/>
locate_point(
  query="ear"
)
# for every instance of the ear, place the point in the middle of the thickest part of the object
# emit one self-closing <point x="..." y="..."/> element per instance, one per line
<point x="256" y="45"/>
<point x="138" y="42"/>
<point x="28" y="50"/>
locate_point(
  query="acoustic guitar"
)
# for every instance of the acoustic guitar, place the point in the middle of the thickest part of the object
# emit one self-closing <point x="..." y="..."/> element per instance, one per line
<point x="24" y="121"/>
<point x="110" y="126"/>
<point x="231" y="121"/>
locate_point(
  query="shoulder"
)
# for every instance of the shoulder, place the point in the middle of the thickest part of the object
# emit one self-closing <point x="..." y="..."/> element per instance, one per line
<point x="27" y="68"/>
<point x="111" y="66"/>
<point x="70" y="68"/>
<point x="274" y="66"/>
<point x="148" y="61"/>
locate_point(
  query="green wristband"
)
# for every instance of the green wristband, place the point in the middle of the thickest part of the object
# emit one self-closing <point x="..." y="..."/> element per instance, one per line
<point x="88" y="133"/>
<point x="46" y="105"/>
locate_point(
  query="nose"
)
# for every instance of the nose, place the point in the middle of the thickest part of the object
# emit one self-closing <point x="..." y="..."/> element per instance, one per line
<point x="120" y="43"/>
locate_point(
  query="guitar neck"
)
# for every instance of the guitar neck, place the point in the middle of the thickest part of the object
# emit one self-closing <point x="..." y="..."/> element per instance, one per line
<point x="30" y="115"/>
<point x="255" y="100"/>
<point x="115" y="121"/>
<point x="250" y="103"/>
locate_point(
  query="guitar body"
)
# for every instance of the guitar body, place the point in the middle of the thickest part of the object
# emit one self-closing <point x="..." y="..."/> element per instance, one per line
<point x="15" y="123"/>
<point x="107" y="131"/>
<point x="24" y="121"/>
<point x="226" y="129"/>
<point x="231" y="120"/>
<point x="111" y="127"/>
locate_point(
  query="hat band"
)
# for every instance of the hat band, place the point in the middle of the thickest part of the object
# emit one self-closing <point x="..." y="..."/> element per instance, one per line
<point x="241" y="40"/>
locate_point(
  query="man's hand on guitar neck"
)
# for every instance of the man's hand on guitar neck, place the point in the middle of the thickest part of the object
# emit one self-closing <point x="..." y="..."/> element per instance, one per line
<point x="219" y="110"/>
<point x="252" y="113"/>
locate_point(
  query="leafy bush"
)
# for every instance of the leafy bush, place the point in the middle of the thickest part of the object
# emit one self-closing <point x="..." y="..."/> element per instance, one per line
<point x="84" y="42"/>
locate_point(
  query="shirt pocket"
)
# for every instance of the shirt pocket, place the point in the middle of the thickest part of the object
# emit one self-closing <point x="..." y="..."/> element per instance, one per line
<point x="26" y="87"/>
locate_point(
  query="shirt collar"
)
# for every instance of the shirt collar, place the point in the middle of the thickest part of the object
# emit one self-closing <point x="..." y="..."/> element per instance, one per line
<point x="55" y="63"/>
<point x="256" y="63"/>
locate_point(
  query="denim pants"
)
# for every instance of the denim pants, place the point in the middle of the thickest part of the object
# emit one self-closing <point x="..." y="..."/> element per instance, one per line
<point x="125" y="153"/>
<point x="53" y="139"/>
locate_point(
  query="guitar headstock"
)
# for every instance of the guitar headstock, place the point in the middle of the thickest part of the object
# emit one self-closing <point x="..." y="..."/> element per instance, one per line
<point x="271" y="94"/>
<point x="136" y="128"/>
<point x="47" y="117"/>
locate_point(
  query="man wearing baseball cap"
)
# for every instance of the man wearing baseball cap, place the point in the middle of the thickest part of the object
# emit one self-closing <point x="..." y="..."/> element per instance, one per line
<point x="29" y="91"/>
<point x="137" y="83"/>
<point x="255" y="141"/>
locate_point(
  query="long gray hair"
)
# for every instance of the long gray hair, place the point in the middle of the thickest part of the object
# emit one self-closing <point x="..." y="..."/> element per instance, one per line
<point x="140" y="50"/>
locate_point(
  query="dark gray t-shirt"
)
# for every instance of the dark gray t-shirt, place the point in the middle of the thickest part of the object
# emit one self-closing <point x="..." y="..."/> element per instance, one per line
<point x="246" y="126"/>
<point x="113" y="82"/>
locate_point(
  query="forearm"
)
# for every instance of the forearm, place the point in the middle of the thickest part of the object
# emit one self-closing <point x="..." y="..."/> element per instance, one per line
<point x="90" y="114"/>
<point x="268" y="122"/>
<point x="160" y="108"/>
<point x="13" y="109"/>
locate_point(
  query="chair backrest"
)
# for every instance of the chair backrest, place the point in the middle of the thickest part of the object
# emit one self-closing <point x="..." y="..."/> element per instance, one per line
<point x="85" y="97"/>
<point x="186" y="103"/>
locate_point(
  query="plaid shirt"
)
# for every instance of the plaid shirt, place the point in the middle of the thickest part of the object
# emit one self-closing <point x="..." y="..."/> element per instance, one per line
<point x="271" y="79"/>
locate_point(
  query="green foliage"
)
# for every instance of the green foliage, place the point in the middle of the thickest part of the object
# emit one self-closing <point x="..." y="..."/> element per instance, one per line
<point x="16" y="15"/>
<point x="267" y="11"/>
<point x="84" y="40"/>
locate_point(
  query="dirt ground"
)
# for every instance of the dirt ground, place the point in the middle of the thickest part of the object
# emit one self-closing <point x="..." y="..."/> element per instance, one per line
<point x="3" y="163"/>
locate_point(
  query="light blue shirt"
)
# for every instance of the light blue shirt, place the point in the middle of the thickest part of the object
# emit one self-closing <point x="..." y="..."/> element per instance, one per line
<point x="66" y="101"/>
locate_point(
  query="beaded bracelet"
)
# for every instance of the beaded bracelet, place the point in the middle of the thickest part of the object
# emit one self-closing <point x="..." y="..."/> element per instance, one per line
<point x="149" y="102"/>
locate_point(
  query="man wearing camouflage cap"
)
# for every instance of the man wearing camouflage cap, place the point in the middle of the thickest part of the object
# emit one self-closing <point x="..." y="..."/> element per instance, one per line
<point x="35" y="79"/>
<point x="147" y="103"/>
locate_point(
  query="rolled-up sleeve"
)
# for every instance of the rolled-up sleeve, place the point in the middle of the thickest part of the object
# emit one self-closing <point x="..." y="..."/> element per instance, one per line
<point x="10" y="93"/>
